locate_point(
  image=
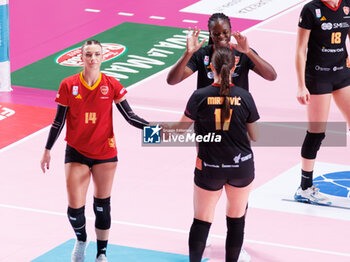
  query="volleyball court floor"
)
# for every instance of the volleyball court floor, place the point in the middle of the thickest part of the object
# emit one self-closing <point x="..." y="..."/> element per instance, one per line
<point x="152" y="194"/>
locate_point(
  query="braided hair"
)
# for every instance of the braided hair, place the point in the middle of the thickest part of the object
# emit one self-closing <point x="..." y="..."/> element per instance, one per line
<point x="213" y="19"/>
<point x="223" y="61"/>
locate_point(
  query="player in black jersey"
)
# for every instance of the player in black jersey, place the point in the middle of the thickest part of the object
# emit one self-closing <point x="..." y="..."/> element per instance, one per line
<point x="227" y="111"/>
<point x="198" y="58"/>
<point x="322" y="66"/>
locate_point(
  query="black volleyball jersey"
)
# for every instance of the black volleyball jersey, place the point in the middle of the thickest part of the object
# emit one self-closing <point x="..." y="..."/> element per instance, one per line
<point x="327" y="57"/>
<point x="201" y="59"/>
<point x="204" y="107"/>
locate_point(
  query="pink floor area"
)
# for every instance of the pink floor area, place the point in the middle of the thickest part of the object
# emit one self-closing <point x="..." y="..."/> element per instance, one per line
<point x="152" y="194"/>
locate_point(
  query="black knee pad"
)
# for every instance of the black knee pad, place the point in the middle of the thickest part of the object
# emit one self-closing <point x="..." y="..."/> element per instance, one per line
<point x="312" y="144"/>
<point x="102" y="209"/>
<point x="76" y="217"/>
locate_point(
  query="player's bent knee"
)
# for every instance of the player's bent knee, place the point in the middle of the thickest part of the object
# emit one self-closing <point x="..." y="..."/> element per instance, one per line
<point x="312" y="144"/>
<point x="102" y="209"/>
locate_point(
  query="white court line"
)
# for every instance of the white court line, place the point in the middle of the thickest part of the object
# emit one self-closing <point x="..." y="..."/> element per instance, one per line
<point x="157" y="17"/>
<point x="149" y="78"/>
<point x="24" y="139"/>
<point x="92" y="10"/>
<point x="190" y="21"/>
<point x="275" y="31"/>
<point x="125" y="14"/>
<point x="181" y="231"/>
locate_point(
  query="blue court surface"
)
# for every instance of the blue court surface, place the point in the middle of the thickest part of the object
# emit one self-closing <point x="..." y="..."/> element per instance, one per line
<point x="335" y="184"/>
<point x="115" y="253"/>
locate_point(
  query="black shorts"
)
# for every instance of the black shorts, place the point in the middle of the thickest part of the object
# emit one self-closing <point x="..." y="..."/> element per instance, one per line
<point x="73" y="155"/>
<point x="319" y="87"/>
<point x="213" y="180"/>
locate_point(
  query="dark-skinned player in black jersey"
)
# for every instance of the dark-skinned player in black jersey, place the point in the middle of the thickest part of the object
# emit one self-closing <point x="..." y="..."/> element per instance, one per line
<point x="322" y="66"/>
<point x="198" y="58"/>
<point x="227" y="111"/>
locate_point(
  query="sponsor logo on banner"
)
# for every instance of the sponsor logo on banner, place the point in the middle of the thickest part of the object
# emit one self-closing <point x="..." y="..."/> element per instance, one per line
<point x="318" y="13"/>
<point x="248" y="9"/>
<point x="104" y="90"/>
<point x="73" y="57"/>
<point x="346" y="10"/>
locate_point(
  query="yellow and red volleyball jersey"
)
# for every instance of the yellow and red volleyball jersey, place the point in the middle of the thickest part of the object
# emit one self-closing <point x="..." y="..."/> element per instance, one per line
<point x="89" y="117"/>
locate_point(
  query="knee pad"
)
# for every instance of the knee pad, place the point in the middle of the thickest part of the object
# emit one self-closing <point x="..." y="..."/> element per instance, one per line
<point x="102" y="209"/>
<point x="76" y="217"/>
<point x="312" y="144"/>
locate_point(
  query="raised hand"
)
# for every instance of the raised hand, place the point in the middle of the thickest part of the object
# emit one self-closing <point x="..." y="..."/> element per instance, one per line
<point x="242" y="42"/>
<point x="192" y="40"/>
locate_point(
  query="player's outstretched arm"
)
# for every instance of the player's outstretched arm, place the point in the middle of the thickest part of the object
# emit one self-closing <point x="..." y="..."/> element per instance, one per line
<point x="262" y="67"/>
<point x="180" y="71"/>
<point x="129" y="115"/>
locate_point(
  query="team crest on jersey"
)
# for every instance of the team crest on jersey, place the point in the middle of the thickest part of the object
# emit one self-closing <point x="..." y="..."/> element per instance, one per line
<point x="318" y="13"/>
<point x="75" y="90"/>
<point x="346" y="10"/>
<point x="206" y="60"/>
<point x="104" y="90"/>
<point x="237" y="60"/>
